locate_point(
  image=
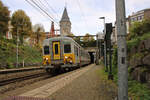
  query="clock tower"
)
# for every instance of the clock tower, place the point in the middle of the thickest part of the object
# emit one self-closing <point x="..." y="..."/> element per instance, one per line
<point x="65" y="24"/>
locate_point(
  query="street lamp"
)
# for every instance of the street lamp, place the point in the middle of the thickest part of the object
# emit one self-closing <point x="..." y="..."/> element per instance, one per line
<point x="105" y="48"/>
<point x="104" y="24"/>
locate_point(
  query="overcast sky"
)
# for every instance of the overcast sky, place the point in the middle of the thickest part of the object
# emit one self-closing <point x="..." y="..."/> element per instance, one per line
<point x="84" y="14"/>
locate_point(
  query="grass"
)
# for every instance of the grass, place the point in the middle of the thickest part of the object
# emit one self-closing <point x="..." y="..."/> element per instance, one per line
<point x="104" y="78"/>
<point x="27" y="53"/>
<point x="136" y="90"/>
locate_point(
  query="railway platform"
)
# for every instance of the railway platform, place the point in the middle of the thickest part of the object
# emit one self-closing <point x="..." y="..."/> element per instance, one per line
<point x="89" y="86"/>
<point x="82" y="84"/>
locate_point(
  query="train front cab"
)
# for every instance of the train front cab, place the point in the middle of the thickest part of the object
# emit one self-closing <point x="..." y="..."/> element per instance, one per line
<point x="57" y="56"/>
<point x="69" y="56"/>
<point x="46" y="56"/>
<point x="56" y="50"/>
<point x="52" y="56"/>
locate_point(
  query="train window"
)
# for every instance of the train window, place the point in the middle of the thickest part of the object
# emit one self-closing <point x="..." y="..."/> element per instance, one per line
<point x="46" y="50"/>
<point x="56" y="48"/>
<point x="76" y="50"/>
<point x="67" y="48"/>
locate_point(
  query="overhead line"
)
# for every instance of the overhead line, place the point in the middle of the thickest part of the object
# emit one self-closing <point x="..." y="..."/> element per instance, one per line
<point x="43" y="6"/>
<point x="82" y="14"/>
<point x="42" y="9"/>
<point x="37" y="9"/>
<point x="51" y="8"/>
<point x="44" y="13"/>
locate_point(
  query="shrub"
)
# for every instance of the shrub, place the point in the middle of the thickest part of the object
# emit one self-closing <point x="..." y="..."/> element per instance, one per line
<point x="139" y="28"/>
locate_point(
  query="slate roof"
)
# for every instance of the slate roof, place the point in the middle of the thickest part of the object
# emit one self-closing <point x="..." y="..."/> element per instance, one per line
<point x="65" y="16"/>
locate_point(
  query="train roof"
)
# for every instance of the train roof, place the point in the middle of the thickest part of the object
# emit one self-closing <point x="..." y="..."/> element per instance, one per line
<point x="60" y="38"/>
<point x="57" y="38"/>
<point x="46" y="41"/>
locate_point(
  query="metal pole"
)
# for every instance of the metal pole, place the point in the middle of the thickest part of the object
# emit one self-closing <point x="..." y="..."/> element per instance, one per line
<point x="122" y="51"/>
<point x="105" y="55"/>
<point x="110" y="61"/>
<point x="100" y="55"/>
<point x="17" y="48"/>
<point x="110" y="72"/>
<point x="105" y="48"/>
<point x="104" y="43"/>
<point x="97" y="50"/>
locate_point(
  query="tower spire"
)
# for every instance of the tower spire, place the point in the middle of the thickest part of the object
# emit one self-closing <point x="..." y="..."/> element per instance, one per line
<point x="65" y="15"/>
<point x="65" y="24"/>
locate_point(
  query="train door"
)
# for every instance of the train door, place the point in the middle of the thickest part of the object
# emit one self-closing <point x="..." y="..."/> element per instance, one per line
<point x="56" y="50"/>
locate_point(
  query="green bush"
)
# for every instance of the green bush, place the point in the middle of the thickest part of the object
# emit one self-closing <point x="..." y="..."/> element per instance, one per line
<point x="26" y="53"/>
<point x="132" y="43"/>
<point x="139" y="28"/>
<point x="138" y="91"/>
<point x="115" y="64"/>
<point x="138" y="32"/>
<point x="136" y="40"/>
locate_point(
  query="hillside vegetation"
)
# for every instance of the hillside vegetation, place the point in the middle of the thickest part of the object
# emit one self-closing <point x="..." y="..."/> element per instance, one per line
<point x="30" y="55"/>
<point x="138" y="44"/>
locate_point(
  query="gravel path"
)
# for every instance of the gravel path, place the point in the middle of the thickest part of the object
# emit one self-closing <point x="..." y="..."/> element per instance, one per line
<point x="54" y="86"/>
<point x="88" y="86"/>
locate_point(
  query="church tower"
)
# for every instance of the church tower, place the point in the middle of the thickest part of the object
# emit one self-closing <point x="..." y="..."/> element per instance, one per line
<point x="65" y="24"/>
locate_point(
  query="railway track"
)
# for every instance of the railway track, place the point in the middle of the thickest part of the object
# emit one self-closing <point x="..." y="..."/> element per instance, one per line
<point x="12" y="79"/>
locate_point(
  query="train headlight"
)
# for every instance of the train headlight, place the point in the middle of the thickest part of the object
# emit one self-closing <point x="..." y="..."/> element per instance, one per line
<point x="70" y="61"/>
<point x="46" y="58"/>
<point x="66" y="57"/>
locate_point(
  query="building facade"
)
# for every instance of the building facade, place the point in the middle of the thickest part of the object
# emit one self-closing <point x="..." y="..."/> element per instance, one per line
<point x="9" y="32"/>
<point x="135" y="17"/>
<point x="65" y="24"/>
<point x="140" y="15"/>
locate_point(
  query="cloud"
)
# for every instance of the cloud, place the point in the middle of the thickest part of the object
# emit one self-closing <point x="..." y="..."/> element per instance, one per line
<point x="84" y="14"/>
<point x="136" y="5"/>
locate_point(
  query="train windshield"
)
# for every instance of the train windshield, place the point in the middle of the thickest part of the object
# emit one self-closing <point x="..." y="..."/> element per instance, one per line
<point x="67" y="48"/>
<point x="56" y="48"/>
<point x="46" y="50"/>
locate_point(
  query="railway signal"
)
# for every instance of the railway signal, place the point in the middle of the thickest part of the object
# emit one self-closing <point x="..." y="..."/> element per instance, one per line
<point x="105" y="48"/>
<point x="108" y="42"/>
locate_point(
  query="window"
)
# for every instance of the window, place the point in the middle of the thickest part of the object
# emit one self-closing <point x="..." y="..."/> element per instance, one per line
<point x="142" y="17"/>
<point x="135" y="19"/>
<point x="67" y="48"/>
<point x="76" y="50"/>
<point x="56" y="48"/>
<point x="46" y="50"/>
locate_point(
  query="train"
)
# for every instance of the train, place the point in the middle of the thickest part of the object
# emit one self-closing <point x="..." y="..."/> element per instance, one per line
<point x="62" y="54"/>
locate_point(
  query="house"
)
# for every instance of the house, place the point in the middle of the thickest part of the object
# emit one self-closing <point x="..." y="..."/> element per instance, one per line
<point x="135" y="17"/>
<point x="139" y="15"/>
<point x="9" y="32"/>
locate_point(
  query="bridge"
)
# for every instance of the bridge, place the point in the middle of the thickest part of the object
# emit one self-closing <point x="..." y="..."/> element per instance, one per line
<point x="91" y="49"/>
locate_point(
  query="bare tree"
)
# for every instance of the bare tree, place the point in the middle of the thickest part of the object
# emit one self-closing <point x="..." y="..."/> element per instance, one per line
<point x="38" y="33"/>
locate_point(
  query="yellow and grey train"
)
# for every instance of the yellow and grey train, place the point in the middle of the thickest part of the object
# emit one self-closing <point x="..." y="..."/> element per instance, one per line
<point x="63" y="53"/>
